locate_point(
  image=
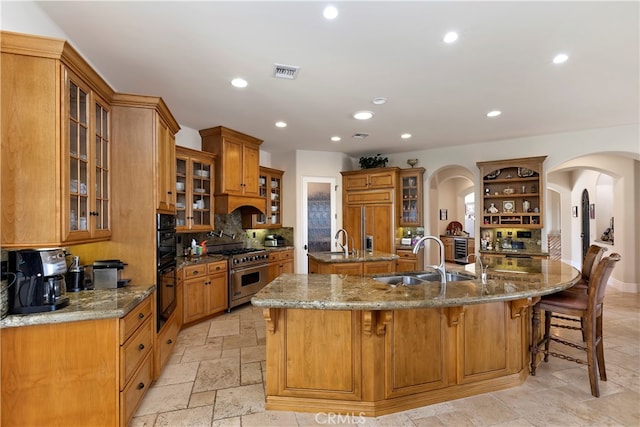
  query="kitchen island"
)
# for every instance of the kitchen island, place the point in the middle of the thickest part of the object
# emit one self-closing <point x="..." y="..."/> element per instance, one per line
<point x="355" y="345"/>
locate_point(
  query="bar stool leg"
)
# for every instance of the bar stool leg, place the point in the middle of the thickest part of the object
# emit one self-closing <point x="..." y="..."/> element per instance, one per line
<point x="547" y="334"/>
<point x="600" y="349"/>
<point x="533" y="348"/>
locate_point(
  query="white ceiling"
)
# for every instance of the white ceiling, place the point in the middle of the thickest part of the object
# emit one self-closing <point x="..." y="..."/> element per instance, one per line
<point x="187" y="52"/>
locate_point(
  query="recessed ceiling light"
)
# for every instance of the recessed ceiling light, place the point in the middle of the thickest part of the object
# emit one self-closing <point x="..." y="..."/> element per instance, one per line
<point x="330" y="12"/>
<point x="281" y="124"/>
<point x="405" y="136"/>
<point x="494" y="113"/>
<point x="238" y="82"/>
<point x="363" y="115"/>
<point x="379" y="100"/>
<point x="450" y="37"/>
<point x="335" y="138"/>
<point x="560" y="58"/>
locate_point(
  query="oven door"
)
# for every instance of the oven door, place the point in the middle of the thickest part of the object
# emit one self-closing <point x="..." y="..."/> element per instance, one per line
<point x="166" y="290"/>
<point x="246" y="282"/>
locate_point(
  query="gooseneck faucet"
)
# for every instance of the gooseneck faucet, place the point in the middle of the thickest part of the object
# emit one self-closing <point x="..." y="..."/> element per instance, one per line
<point x="440" y="266"/>
<point x="345" y="240"/>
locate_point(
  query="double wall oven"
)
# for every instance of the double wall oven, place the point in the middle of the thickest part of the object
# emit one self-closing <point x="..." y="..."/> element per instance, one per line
<point x="166" y="267"/>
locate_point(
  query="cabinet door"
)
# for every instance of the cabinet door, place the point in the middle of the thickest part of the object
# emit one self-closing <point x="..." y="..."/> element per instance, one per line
<point x="352" y="221"/>
<point x="377" y="267"/>
<point x="407" y="261"/>
<point x="251" y="164"/>
<point x="356" y="182"/>
<point x="448" y="249"/>
<point x="195" y="299"/>
<point x="87" y="130"/>
<point x="233" y="168"/>
<point x="218" y="291"/>
<point x="385" y="179"/>
<point x="201" y="190"/>
<point x="411" y="197"/>
<point x="165" y="175"/>
<point x="379" y="224"/>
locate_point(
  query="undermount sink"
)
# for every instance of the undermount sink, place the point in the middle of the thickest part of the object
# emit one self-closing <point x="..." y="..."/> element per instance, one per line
<point x="421" y="278"/>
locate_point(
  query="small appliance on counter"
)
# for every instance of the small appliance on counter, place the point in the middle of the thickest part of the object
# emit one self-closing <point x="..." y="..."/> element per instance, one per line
<point x="75" y="276"/>
<point x="274" y="240"/>
<point x="106" y="274"/>
<point x="39" y="284"/>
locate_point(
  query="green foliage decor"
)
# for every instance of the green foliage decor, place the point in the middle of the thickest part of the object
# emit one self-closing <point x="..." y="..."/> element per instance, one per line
<point x="376" y="161"/>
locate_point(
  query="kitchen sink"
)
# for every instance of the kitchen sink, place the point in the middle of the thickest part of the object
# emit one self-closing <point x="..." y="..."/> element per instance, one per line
<point x="421" y="278"/>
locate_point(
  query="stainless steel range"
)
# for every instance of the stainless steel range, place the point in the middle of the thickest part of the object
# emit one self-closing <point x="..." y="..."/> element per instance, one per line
<point x="248" y="270"/>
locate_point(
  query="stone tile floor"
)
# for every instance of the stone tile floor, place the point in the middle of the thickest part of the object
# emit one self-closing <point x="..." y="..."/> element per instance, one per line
<point x="215" y="378"/>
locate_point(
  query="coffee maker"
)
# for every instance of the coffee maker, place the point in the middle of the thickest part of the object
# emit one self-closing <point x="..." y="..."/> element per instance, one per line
<point x="40" y="285"/>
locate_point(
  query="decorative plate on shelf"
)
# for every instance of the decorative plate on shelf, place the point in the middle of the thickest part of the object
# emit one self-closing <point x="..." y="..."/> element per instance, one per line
<point x="524" y="172"/>
<point x="493" y="175"/>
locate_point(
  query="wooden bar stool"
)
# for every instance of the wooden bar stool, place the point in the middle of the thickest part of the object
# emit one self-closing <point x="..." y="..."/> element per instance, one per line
<point x="586" y="306"/>
<point x="589" y="264"/>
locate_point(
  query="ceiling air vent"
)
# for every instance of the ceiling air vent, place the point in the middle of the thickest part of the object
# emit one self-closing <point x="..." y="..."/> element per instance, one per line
<point x="360" y="135"/>
<point x="289" y="72"/>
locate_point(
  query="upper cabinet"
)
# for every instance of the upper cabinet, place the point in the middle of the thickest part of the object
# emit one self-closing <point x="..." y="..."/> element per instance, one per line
<point x="513" y="193"/>
<point x="270" y="187"/>
<point x="194" y="183"/>
<point x="237" y="168"/>
<point x="369" y="179"/>
<point x="56" y="145"/>
<point x="411" y="197"/>
<point x="146" y="126"/>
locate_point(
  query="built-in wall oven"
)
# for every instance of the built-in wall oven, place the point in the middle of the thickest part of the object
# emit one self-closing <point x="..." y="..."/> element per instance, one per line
<point x="166" y="265"/>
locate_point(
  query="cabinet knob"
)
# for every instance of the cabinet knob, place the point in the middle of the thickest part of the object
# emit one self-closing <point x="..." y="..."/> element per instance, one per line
<point x="195" y="272"/>
<point x="140" y="386"/>
<point x="169" y="341"/>
<point x="141" y="347"/>
<point x="140" y="315"/>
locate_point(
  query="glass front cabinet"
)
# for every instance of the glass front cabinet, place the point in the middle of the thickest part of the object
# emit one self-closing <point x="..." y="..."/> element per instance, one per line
<point x="411" y="197"/>
<point x="88" y="158"/>
<point x="269" y="187"/>
<point x="194" y="190"/>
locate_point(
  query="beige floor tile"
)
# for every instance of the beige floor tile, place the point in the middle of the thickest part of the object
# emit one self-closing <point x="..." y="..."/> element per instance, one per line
<point x="253" y="354"/>
<point x="203" y="398"/>
<point x="178" y="373"/>
<point x="224" y="327"/>
<point x="250" y="373"/>
<point x="238" y="341"/>
<point x="244" y="400"/>
<point x="202" y="352"/>
<point x="217" y="374"/>
<point x="165" y="398"/>
<point x="193" y="417"/>
<point x="270" y="418"/>
<point x="484" y="409"/>
<point x="143" y="421"/>
<point x="227" y="422"/>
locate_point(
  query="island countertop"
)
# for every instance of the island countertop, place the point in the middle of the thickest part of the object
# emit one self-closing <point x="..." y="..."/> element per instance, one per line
<point x="358" y="256"/>
<point x="522" y="278"/>
<point x="86" y="305"/>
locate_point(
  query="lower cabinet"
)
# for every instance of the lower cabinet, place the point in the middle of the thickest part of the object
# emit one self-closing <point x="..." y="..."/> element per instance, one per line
<point x="448" y="248"/>
<point x="351" y="268"/>
<point x="280" y="262"/>
<point x="205" y="290"/>
<point x="106" y="370"/>
<point x="166" y="342"/>
<point x="409" y="261"/>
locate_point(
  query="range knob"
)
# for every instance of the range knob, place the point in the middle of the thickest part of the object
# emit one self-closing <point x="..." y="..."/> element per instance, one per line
<point x="236" y="261"/>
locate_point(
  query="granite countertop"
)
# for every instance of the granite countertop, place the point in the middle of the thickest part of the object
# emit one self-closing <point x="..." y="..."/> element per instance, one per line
<point x="342" y="292"/>
<point x="86" y="305"/>
<point x="359" y="256"/>
<point x="183" y="261"/>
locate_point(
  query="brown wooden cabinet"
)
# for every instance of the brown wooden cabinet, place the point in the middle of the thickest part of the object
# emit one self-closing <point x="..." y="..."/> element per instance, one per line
<point x="269" y="187"/>
<point x="409" y="261"/>
<point x="194" y="186"/>
<point x="166" y="155"/>
<point x="56" y="145"/>
<point x="280" y="262"/>
<point x="237" y="167"/>
<point x="205" y="291"/>
<point x="410" y="197"/>
<point x="106" y="370"/>
<point x="513" y="193"/>
<point x="369" y="179"/>
<point x="449" y="248"/>
<point x="350" y="268"/>
<point x="166" y="341"/>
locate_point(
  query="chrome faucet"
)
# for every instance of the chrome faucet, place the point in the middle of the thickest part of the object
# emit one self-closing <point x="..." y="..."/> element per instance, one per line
<point x="345" y="246"/>
<point x="483" y="268"/>
<point x="440" y="266"/>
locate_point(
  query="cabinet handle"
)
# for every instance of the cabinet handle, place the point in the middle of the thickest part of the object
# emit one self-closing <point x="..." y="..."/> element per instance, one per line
<point x="140" y="315"/>
<point x="169" y="192"/>
<point x="141" y="347"/>
<point x="195" y="272"/>
<point x="140" y="386"/>
<point x="169" y="341"/>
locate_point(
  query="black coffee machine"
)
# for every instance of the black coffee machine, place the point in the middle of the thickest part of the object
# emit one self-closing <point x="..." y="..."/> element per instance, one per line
<point x="40" y="285"/>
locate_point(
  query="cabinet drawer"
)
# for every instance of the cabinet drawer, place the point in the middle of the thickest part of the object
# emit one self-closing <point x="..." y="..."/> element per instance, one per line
<point x="131" y="396"/>
<point x="216" y="267"/>
<point x="274" y="256"/>
<point x="134" y="350"/>
<point x="192" y="271"/>
<point x="135" y="318"/>
<point x="285" y="255"/>
<point x="405" y="254"/>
